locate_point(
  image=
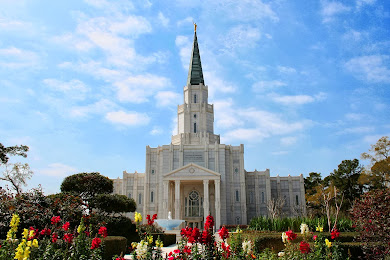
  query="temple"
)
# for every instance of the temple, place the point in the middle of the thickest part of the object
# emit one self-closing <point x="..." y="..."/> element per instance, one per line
<point x="195" y="175"/>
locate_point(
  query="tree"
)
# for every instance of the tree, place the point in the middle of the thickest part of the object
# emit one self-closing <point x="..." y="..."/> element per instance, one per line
<point x="12" y="150"/>
<point x="378" y="176"/>
<point x="275" y="207"/>
<point x="314" y="194"/>
<point x="113" y="203"/>
<point x="17" y="174"/>
<point x="87" y="185"/>
<point x="346" y="179"/>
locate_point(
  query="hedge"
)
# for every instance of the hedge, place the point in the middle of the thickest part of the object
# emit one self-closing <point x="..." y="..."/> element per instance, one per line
<point x="114" y="245"/>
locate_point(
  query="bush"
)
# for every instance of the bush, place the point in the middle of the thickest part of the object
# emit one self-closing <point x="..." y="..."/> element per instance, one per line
<point x="121" y="226"/>
<point x="114" y="245"/>
<point x="371" y="214"/>
<point x="113" y="203"/>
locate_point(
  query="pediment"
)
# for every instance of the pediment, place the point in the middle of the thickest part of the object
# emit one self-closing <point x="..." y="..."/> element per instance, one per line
<point x="192" y="172"/>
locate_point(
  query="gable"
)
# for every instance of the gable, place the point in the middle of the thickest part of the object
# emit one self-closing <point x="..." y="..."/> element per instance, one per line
<point x="192" y="172"/>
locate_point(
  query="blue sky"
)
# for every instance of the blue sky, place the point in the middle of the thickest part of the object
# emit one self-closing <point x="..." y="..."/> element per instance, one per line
<point x="88" y="84"/>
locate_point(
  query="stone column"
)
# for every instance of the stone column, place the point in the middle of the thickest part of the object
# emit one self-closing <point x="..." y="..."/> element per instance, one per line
<point x="177" y="199"/>
<point x="165" y="199"/>
<point x="206" y="204"/>
<point x="217" y="184"/>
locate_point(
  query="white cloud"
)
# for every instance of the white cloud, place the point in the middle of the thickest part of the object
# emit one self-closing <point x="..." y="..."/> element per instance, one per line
<point x="371" y="68"/>
<point x="354" y="116"/>
<point x="298" y="99"/>
<point x="267" y="85"/>
<point x="130" y="118"/>
<point x="240" y="37"/>
<point x="286" y="70"/>
<point x="287" y="141"/>
<point x="186" y="21"/>
<point x="227" y="117"/>
<point x="74" y="88"/>
<point x="58" y="170"/>
<point x="218" y="85"/>
<point x="156" y="131"/>
<point x="137" y="89"/>
<point x="100" y="107"/>
<point x="356" y="130"/>
<point x="164" y="20"/>
<point x="167" y="98"/>
<point x="15" y="58"/>
<point x="331" y="9"/>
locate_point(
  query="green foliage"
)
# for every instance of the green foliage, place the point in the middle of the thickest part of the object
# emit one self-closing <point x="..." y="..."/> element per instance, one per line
<point x="114" y="245"/>
<point x="281" y="224"/>
<point x="12" y="150"/>
<point x="87" y="185"/>
<point x="121" y="226"/>
<point x="113" y="203"/>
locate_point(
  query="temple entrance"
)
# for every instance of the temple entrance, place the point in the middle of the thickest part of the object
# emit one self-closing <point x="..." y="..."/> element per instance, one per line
<point x="193" y="209"/>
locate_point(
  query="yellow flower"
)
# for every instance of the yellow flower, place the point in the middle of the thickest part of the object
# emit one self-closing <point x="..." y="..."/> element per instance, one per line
<point x="29" y="243"/>
<point x="159" y="243"/>
<point x="134" y="244"/>
<point x="328" y="243"/>
<point x="150" y="239"/>
<point x="25" y="233"/>
<point x="31" y="234"/>
<point x="35" y="243"/>
<point x="14" y="221"/>
<point x="320" y="228"/>
<point x="137" y="217"/>
<point x="26" y="253"/>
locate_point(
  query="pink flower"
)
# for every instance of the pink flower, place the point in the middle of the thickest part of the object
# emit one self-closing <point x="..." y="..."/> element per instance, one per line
<point x="315" y="237"/>
<point x="96" y="243"/>
<point x="66" y="226"/>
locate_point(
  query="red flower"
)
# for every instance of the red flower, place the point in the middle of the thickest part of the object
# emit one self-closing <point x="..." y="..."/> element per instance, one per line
<point x="55" y="220"/>
<point x="291" y="235"/>
<point x="103" y="231"/>
<point x="119" y="258"/>
<point x="66" y="226"/>
<point x="176" y="251"/>
<point x="304" y="247"/>
<point x="195" y="235"/>
<point x="206" y="237"/>
<point x="209" y="222"/>
<point x="334" y="234"/>
<point x="45" y="232"/>
<point x="68" y="238"/>
<point x="223" y="233"/>
<point x="315" y="237"/>
<point x="87" y="233"/>
<point x="226" y="250"/>
<point x="96" y="243"/>
<point x="54" y="238"/>
<point x="187" y="250"/>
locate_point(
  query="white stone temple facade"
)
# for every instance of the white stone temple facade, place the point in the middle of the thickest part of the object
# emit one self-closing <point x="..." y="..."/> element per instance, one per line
<point x="195" y="175"/>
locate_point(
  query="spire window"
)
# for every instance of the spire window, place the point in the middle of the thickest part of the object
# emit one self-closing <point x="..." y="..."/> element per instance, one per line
<point x="194" y="127"/>
<point x="195" y="98"/>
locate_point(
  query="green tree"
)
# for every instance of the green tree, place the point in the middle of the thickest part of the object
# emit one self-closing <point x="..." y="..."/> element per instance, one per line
<point x="87" y="185"/>
<point x="20" y="150"/>
<point x="113" y="203"/>
<point x="346" y="179"/>
<point x="314" y="190"/>
<point x="378" y="174"/>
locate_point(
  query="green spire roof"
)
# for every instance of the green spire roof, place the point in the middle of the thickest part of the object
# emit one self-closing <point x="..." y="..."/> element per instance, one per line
<point x="195" y="73"/>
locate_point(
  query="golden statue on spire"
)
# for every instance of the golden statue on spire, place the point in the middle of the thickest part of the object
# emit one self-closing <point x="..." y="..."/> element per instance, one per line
<point x="194" y="26"/>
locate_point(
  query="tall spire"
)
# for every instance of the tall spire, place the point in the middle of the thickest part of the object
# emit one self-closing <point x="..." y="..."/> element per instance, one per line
<point x="195" y="73"/>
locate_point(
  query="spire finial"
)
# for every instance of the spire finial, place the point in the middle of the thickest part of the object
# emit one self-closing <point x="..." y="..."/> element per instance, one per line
<point x="194" y="26"/>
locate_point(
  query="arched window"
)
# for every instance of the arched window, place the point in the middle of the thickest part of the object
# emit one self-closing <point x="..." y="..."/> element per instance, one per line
<point x="152" y="197"/>
<point x="195" y="98"/>
<point x="194" y="127"/>
<point x="193" y="204"/>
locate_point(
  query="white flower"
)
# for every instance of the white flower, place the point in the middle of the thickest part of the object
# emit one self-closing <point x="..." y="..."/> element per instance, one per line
<point x="247" y="247"/>
<point x="304" y="228"/>
<point x="142" y="249"/>
<point x="281" y="254"/>
<point x="284" y="237"/>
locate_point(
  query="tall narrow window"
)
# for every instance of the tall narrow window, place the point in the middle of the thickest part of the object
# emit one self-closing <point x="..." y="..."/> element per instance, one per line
<point x="237" y="196"/>
<point x="297" y="199"/>
<point x="262" y="197"/>
<point x="237" y="220"/>
<point x="139" y="199"/>
<point x="152" y="197"/>
<point x="195" y="98"/>
<point x="194" y="127"/>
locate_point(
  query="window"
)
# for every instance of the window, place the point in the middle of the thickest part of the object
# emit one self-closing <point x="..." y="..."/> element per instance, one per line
<point x="152" y="197"/>
<point x="194" y="127"/>
<point x="139" y="198"/>
<point x="297" y="199"/>
<point x="237" y="196"/>
<point x="129" y="195"/>
<point x="152" y="171"/>
<point x="195" y="98"/>
<point x="237" y="220"/>
<point x="251" y="197"/>
<point x="262" y="197"/>
<point x="236" y="170"/>
<point x="194" y="115"/>
<point x="193" y="204"/>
